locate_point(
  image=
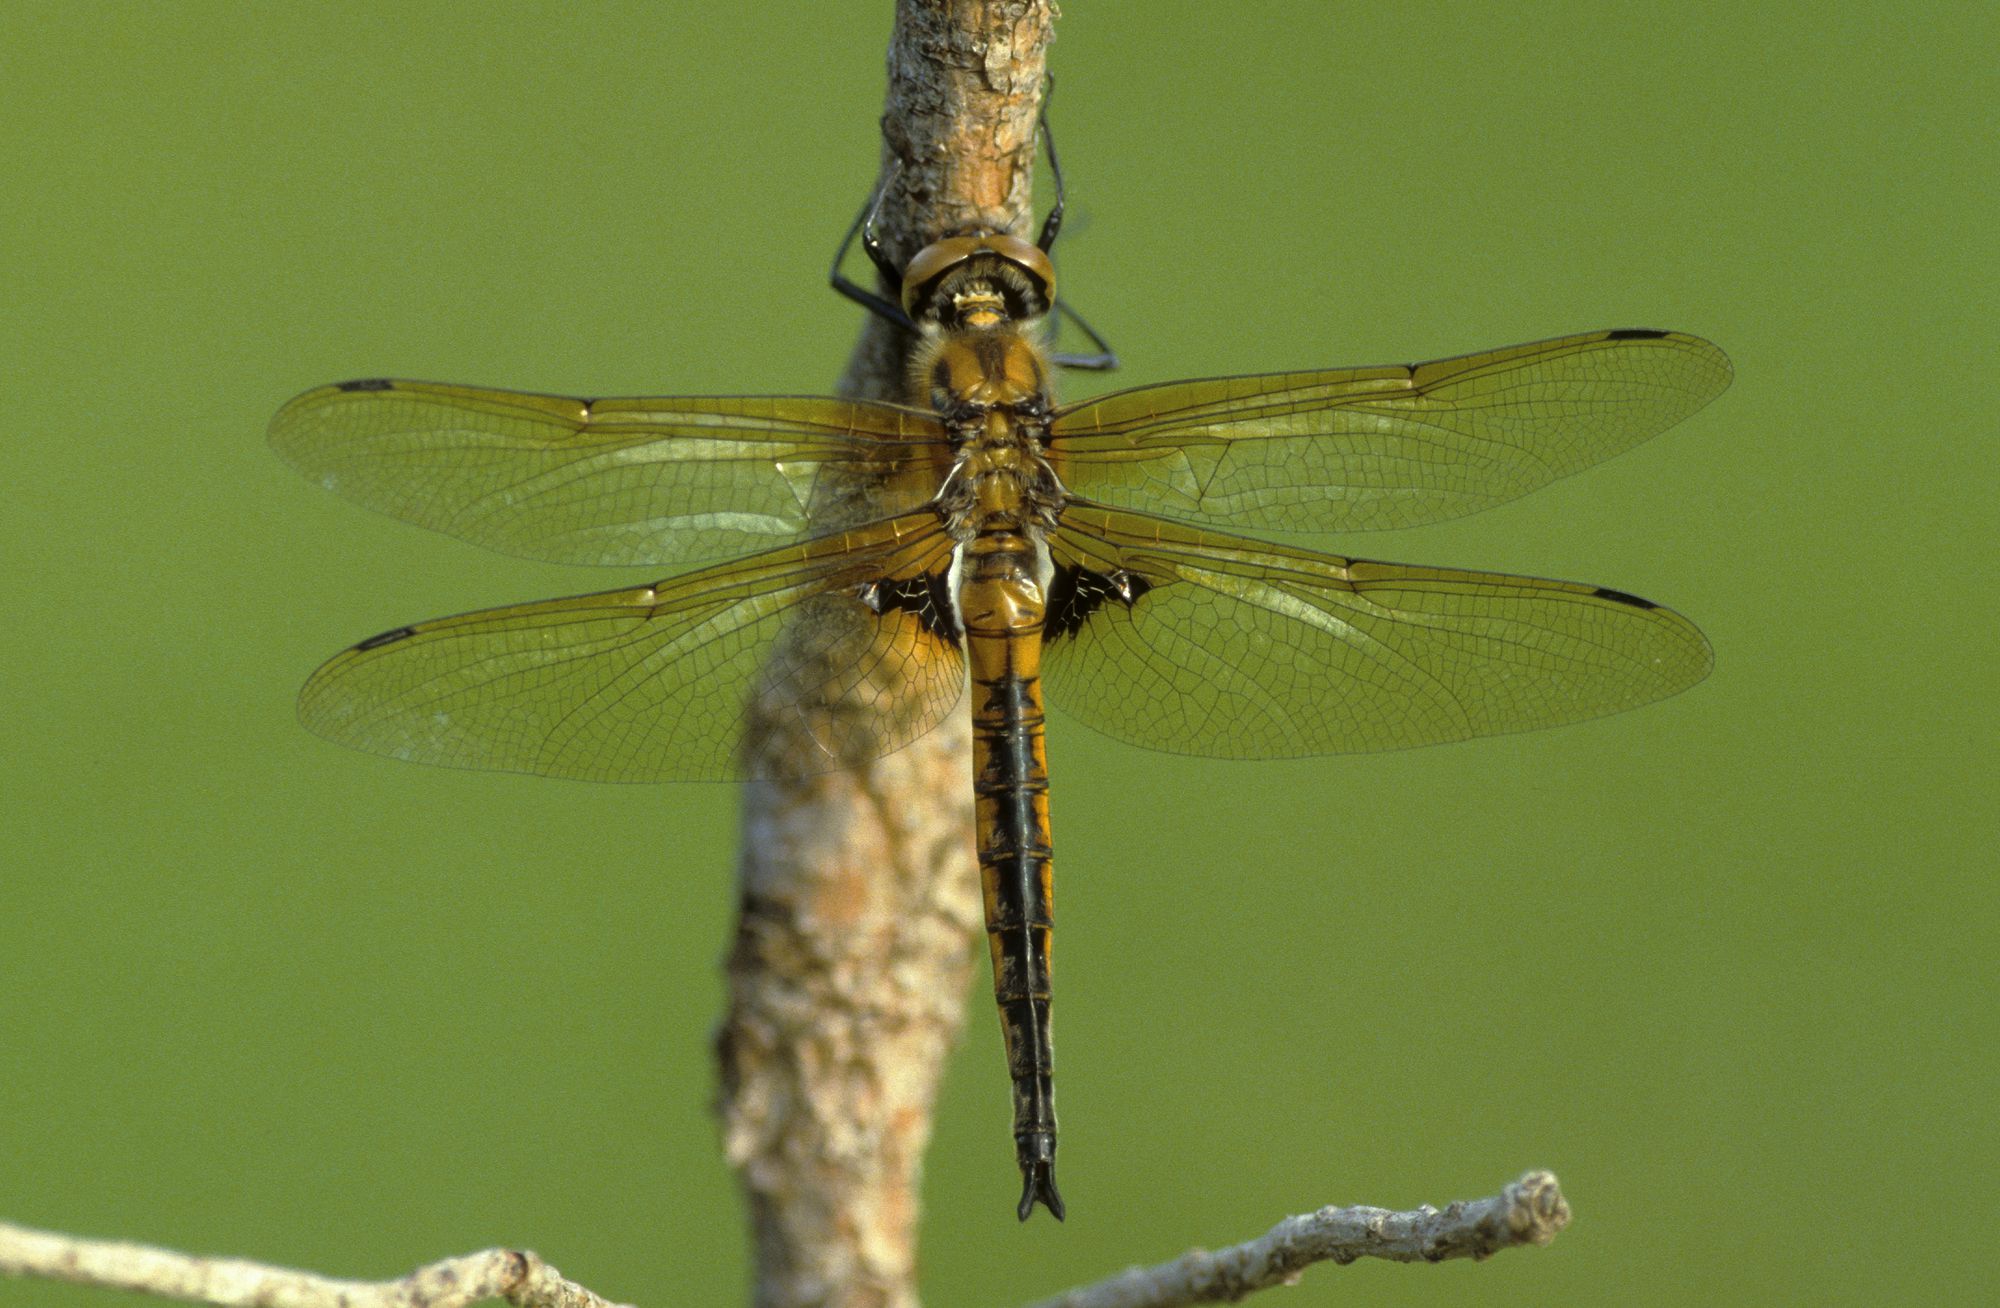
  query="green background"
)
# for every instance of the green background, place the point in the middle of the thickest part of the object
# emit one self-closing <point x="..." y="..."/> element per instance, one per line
<point x="1726" y="964"/>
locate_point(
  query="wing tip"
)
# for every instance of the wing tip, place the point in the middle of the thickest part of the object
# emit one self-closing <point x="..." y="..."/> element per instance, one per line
<point x="1724" y="370"/>
<point x="287" y="421"/>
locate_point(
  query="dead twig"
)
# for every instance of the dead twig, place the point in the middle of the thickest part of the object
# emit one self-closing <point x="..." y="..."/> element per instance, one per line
<point x="1529" y="1212"/>
<point x="517" y="1276"/>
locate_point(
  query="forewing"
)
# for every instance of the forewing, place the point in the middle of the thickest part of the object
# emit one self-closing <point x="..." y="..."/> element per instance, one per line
<point x="1353" y="449"/>
<point x="1199" y="643"/>
<point x="621" y="481"/>
<point x="657" y="683"/>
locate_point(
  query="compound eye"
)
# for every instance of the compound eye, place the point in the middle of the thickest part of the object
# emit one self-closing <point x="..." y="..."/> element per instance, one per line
<point x="1032" y="260"/>
<point x="930" y="265"/>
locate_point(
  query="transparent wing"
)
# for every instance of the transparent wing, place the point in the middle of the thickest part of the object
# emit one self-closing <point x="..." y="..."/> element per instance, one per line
<point x="1198" y="643"/>
<point x="627" y="481"/>
<point x="658" y="682"/>
<point x="1355" y="449"/>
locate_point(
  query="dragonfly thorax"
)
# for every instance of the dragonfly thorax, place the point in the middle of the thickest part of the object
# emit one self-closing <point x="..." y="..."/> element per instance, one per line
<point x="1000" y="487"/>
<point x="990" y="388"/>
<point x="966" y="374"/>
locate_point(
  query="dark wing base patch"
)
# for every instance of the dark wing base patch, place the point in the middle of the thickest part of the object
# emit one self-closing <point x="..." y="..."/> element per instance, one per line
<point x="1076" y="592"/>
<point x="926" y="597"/>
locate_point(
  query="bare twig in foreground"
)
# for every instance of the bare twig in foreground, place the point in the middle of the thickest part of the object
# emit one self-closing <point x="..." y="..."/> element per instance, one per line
<point x="519" y="1277"/>
<point x="1530" y="1211"/>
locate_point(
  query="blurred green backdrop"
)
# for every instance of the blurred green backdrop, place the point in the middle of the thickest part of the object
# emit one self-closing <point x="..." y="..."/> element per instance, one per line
<point x="1727" y="964"/>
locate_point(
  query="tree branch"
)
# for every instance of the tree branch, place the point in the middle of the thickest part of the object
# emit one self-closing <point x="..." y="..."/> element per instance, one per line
<point x="517" y="1276"/>
<point x="859" y="893"/>
<point x="1529" y="1212"/>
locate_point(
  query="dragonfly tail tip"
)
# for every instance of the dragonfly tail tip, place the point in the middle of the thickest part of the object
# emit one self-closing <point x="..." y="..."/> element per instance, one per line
<point x="1038" y="1185"/>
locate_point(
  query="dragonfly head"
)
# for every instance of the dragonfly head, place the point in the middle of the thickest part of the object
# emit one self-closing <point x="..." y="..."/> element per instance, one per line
<point x="979" y="280"/>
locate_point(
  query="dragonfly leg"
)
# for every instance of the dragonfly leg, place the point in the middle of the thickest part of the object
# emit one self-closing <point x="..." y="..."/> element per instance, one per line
<point x="864" y="227"/>
<point x="1104" y="360"/>
<point x="1051" y="225"/>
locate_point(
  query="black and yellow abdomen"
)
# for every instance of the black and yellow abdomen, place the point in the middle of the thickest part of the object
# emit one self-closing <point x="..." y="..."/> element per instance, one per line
<point x="1001" y="606"/>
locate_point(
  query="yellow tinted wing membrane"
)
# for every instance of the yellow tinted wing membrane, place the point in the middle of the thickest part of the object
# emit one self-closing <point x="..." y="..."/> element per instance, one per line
<point x="656" y="683"/>
<point x="1199" y="643"/>
<point x="620" y="481"/>
<point x="1362" y="448"/>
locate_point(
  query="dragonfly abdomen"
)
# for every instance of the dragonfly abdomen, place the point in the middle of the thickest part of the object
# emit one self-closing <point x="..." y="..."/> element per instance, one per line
<point x="1001" y="605"/>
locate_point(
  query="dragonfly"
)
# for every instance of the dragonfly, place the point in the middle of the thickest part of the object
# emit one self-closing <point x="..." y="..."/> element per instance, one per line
<point x="980" y="534"/>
